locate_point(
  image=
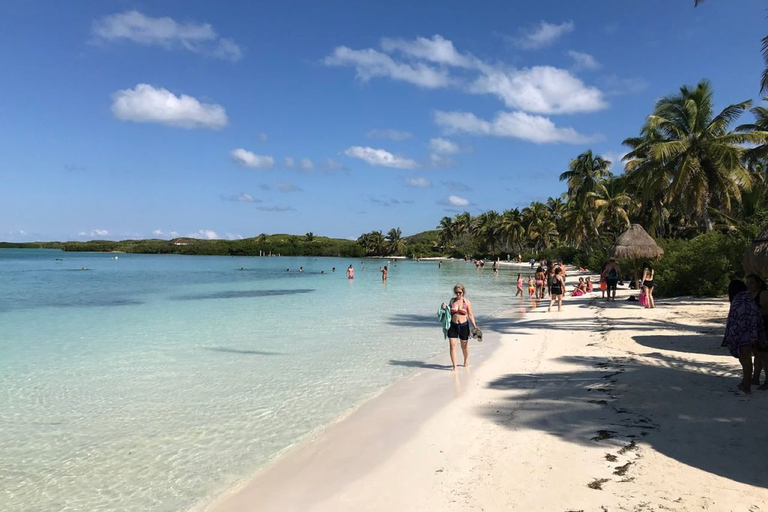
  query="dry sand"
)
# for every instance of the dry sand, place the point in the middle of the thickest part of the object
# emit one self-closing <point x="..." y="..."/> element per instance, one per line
<point x="604" y="406"/>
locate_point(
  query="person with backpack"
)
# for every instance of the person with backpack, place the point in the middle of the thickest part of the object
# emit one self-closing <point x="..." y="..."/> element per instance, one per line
<point x="611" y="275"/>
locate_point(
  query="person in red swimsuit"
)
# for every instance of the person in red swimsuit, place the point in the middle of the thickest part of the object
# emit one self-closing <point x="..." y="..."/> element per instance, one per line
<point x="461" y="316"/>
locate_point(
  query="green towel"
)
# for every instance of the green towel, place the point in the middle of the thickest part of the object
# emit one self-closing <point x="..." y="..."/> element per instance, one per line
<point x="444" y="315"/>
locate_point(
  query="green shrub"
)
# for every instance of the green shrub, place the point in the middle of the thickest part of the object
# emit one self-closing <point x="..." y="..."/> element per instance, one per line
<point x="701" y="266"/>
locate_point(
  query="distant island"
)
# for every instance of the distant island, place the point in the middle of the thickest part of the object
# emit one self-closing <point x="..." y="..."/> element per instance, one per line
<point x="422" y="244"/>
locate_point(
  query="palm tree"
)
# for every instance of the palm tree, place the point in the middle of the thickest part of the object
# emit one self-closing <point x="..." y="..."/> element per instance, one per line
<point x="309" y="237"/>
<point x="447" y="231"/>
<point x="610" y="202"/>
<point x="584" y="174"/>
<point x="511" y="228"/>
<point x="394" y="241"/>
<point x="702" y="155"/>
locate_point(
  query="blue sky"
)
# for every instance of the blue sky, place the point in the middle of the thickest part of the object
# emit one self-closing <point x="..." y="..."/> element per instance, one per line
<point x="225" y="120"/>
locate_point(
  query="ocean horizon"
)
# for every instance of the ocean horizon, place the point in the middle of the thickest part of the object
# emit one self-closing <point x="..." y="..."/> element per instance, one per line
<point x="159" y="381"/>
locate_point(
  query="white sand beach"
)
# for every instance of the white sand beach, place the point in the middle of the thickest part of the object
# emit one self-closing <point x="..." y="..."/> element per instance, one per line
<point x="604" y="406"/>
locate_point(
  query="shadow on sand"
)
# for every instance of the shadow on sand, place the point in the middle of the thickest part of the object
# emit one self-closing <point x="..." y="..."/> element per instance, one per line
<point x="419" y="364"/>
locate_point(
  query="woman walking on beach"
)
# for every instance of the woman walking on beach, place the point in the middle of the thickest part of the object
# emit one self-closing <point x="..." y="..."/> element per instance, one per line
<point x="461" y="316"/>
<point x="744" y="330"/>
<point x="611" y="274"/>
<point x="556" y="291"/>
<point x="519" y="285"/>
<point x="648" y="284"/>
<point x="759" y="290"/>
<point x="540" y="277"/>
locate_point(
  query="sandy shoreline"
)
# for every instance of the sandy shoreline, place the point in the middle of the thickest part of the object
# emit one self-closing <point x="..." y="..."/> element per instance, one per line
<point x="603" y="406"/>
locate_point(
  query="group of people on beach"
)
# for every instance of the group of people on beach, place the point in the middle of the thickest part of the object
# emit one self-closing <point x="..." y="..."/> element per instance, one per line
<point x="745" y="329"/>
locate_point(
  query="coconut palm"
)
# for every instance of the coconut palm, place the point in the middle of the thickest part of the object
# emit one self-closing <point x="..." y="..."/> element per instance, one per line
<point x="584" y="174"/>
<point x="697" y="148"/>
<point x="512" y="228"/>
<point x="610" y="202"/>
<point x="394" y="241"/>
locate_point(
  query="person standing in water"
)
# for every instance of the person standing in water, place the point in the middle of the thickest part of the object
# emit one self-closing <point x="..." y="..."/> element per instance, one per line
<point x="350" y="273"/>
<point x="519" y="285"/>
<point x="461" y="316"/>
<point x="384" y="274"/>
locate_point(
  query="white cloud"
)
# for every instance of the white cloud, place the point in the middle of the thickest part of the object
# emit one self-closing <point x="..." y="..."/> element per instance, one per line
<point x="518" y="125"/>
<point x="289" y="162"/>
<point x="162" y="234"/>
<point x="96" y="233"/>
<point x="244" y="198"/>
<point x="437" y="50"/>
<point x="306" y="164"/>
<point x="380" y="157"/>
<point x="456" y="186"/>
<point x="615" y="157"/>
<point x="205" y="234"/>
<point x="252" y="160"/>
<point x="418" y="182"/>
<point x="165" y="32"/>
<point x="583" y="60"/>
<point x="543" y="35"/>
<point x="234" y="236"/>
<point x="540" y="89"/>
<point x="456" y="201"/>
<point x="147" y="104"/>
<point x="371" y="63"/>
<point x="443" y="146"/>
<point x="386" y="133"/>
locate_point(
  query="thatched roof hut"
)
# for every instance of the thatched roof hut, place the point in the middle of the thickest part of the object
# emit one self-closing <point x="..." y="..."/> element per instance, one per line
<point x="755" y="260"/>
<point x="636" y="244"/>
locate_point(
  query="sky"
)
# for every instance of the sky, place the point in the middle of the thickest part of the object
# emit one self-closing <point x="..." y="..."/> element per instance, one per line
<point x="160" y="119"/>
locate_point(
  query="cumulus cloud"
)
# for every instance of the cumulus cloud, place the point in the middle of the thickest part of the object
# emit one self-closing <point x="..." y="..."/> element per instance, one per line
<point x="252" y="160"/>
<point x="455" y="201"/>
<point x="243" y="198"/>
<point x="380" y="157"/>
<point x="437" y="50"/>
<point x="387" y="202"/>
<point x="234" y="236"/>
<point x="165" y="32"/>
<point x="276" y="208"/>
<point x="443" y="146"/>
<point x="306" y="164"/>
<point x="162" y="234"/>
<point x="387" y="133"/>
<point x="418" y="182"/>
<point x="371" y="63"/>
<point x="289" y="162"/>
<point x="206" y="234"/>
<point x="96" y="233"/>
<point x="615" y="157"/>
<point x="147" y="104"/>
<point x="518" y="125"/>
<point x="542" y="35"/>
<point x="583" y="60"/>
<point x="540" y="89"/>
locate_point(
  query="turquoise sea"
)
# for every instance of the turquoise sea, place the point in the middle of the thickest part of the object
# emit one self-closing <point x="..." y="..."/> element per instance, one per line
<point x="156" y="382"/>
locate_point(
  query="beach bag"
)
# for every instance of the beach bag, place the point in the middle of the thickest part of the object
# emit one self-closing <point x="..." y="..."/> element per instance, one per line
<point x="643" y="299"/>
<point x="603" y="286"/>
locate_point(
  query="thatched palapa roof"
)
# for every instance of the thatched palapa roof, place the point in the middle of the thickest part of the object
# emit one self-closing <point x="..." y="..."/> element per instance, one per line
<point x="636" y="244"/>
<point x="755" y="260"/>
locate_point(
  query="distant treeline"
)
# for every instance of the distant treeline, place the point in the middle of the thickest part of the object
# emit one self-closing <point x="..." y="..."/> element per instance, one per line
<point x="285" y="245"/>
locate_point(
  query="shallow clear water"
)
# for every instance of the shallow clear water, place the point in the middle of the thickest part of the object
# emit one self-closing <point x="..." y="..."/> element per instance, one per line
<point x="154" y="382"/>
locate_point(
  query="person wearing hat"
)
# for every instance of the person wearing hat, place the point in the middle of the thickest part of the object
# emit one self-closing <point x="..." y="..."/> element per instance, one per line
<point x="461" y="316"/>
